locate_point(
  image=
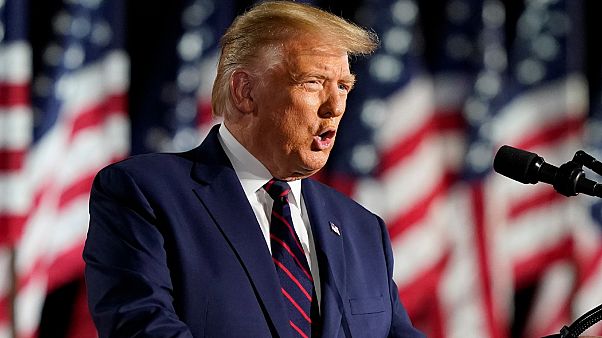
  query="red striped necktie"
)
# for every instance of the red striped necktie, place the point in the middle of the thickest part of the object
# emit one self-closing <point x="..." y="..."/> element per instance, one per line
<point x="296" y="282"/>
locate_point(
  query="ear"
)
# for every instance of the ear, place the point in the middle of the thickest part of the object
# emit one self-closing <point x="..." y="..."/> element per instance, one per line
<point x="240" y="90"/>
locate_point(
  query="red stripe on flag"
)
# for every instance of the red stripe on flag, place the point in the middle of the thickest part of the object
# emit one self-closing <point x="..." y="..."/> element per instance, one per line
<point x="4" y="310"/>
<point x="343" y="183"/>
<point x="421" y="207"/>
<point x="13" y="225"/>
<point x="553" y="132"/>
<point x="97" y="114"/>
<point x="431" y="319"/>
<point x="11" y="229"/>
<point x="589" y="267"/>
<point x="494" y="326"/>
<point x="14" y="94"/>
<point x="406" y="146"/>
<point x="12" y="160"/>
<point x="34" y="334"/>
<point x="66" y="266"/>
<point x="529" y="269"/>
<point x="521" y="206"/>
<point x="205" y="115"/>
<point x="77" y="189"/>
<point x="402" y="149"/>
<point x="449" y="120"/>
<point x="437" y="327"/>
<point x="38" y="268"/>
<point x="420" y="292"/>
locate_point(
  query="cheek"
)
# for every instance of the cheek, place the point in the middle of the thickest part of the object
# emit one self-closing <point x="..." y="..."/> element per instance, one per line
<point x="306" y="111"/>
<point x="295" y="127"/>
<point x="301" y="116"/>
<point x="282" y="129"/>
<point x="292" y="127"/>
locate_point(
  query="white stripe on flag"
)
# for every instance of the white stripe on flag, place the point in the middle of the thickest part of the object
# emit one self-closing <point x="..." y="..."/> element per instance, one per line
<point x="15" y="62"/>
<point x="406" y="110"/>
<point x="15" y="127"/>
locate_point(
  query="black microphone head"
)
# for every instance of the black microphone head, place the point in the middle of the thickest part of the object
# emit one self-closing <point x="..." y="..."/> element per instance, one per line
<point x="517" y="164"/>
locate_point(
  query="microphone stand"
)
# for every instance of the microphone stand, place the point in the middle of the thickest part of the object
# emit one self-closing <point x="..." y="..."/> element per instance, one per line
<point x="572" y="170"/>
<point x="570" y="179"/>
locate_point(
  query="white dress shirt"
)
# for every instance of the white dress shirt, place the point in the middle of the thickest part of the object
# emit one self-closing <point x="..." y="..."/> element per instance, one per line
<point x="252" y="175"/>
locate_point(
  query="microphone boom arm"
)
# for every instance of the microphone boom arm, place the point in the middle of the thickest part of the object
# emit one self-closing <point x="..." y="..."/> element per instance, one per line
<point x="588" y="161"/>
<point x="570" y="178"/>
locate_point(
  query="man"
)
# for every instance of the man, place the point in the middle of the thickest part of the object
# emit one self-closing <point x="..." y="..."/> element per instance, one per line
<point x="230" y="239"/>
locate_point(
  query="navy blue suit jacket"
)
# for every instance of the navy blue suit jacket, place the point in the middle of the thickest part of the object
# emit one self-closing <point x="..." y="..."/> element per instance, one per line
<point x="174" y="250"/>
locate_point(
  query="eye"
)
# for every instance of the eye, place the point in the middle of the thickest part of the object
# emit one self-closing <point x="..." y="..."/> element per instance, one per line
<point x="313" y="84"/>
<point x="344" y="87"/>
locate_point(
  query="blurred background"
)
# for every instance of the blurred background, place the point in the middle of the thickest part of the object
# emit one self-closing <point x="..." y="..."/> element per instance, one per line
<point x="84" y="83"/>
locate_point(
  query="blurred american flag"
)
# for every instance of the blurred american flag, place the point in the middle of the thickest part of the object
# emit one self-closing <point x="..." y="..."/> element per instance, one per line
<point x="15" y="121"/>
<point x="68" y="121"/>
<point x="416" y="146"/>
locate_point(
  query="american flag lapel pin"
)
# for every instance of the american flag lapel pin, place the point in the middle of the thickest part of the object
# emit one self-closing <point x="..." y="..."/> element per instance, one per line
<point x="335" y="229"/>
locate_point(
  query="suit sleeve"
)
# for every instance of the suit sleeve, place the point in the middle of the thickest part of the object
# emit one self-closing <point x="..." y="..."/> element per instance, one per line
<point x="128" y="281"/>
<point x="401" y="326"/>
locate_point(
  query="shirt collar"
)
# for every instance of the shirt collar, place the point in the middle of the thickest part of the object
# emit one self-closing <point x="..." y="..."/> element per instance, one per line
<point x="250" y="171"/>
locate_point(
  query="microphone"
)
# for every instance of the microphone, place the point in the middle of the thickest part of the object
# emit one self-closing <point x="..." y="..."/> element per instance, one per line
<point x="529" y="168"/>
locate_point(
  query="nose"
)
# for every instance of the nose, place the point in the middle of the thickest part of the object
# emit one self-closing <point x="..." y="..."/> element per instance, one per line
<point x="334" y="103"/>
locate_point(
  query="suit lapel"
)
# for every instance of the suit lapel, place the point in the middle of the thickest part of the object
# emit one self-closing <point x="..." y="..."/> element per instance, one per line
<point x="220" y="192"/>
<point x="327" y="232"/>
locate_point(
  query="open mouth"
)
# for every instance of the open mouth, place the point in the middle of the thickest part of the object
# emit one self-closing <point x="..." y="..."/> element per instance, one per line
<point x="325" y="139"/>
<point x="328" y="134"/>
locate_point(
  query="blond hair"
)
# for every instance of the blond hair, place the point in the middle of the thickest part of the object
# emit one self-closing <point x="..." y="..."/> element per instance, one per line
<point x="272" y="24"/>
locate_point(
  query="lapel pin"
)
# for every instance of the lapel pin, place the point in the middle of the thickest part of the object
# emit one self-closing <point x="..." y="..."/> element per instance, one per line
<point x="335" y="229"/>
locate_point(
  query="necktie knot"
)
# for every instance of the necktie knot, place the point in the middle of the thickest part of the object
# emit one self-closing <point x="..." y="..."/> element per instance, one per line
<point x="277" y="189"/>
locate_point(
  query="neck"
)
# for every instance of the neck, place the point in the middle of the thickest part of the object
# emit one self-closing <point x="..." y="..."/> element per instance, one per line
<point x="242" y="136"/>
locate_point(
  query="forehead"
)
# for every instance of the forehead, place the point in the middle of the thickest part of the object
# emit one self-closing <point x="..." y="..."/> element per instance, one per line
<point x="308" y="54"/>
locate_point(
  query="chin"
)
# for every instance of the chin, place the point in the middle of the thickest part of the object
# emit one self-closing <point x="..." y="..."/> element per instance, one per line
<point x="315" y="164"/>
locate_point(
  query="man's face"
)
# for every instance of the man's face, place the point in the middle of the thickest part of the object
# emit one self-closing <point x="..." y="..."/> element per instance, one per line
<point x="299" y="105"/>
